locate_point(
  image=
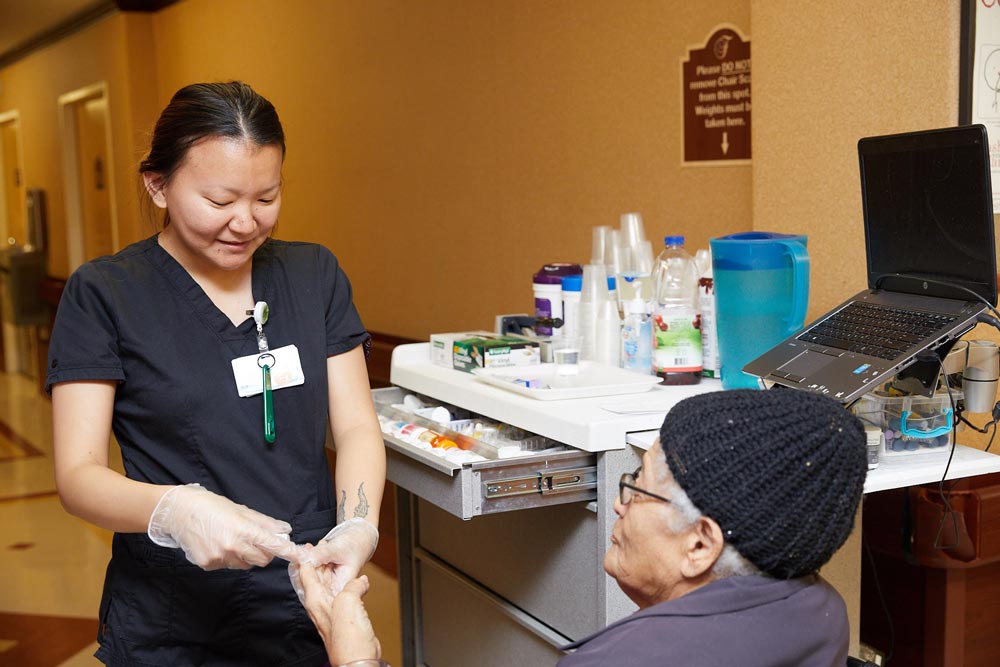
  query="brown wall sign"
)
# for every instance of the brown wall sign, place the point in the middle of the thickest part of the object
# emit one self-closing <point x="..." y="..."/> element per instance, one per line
<point x="716" y="99"/>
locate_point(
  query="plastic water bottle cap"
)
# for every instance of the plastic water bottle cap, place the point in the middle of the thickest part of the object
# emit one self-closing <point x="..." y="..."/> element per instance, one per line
<point x="673" y="240"/>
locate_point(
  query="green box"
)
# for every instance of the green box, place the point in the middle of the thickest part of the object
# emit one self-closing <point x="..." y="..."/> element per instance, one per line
<point x="500" y="352"/>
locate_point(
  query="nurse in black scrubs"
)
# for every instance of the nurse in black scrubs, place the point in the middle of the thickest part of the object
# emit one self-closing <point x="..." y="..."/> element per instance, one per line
<point x="219" y="403"/>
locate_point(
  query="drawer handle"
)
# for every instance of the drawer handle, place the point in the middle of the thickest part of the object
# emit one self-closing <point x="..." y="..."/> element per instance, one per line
<point x="546" y="483"/>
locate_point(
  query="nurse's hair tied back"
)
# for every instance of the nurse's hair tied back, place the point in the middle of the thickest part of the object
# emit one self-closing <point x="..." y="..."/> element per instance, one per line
<point x="202" y="110"/>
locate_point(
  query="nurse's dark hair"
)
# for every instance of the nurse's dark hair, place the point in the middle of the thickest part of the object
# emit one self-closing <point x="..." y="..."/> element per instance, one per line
<point x="201" y="110"/>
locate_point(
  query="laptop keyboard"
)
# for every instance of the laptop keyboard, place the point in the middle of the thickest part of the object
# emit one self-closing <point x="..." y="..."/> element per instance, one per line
<point x="878" y="331"/>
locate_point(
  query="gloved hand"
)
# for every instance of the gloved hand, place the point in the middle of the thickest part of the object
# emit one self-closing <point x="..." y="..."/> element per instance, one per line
<point x="216" y="533"/>
<point x="345" y="549"/>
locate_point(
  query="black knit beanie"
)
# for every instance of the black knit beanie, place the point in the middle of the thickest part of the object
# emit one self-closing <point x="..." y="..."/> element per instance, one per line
<point x="781" y="471"/>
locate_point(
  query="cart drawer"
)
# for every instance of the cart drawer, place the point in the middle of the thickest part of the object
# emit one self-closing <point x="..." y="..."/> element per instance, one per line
<point x="544" y="562"/>
<point x="533" y="479"/>
<point x="536" y="480"/>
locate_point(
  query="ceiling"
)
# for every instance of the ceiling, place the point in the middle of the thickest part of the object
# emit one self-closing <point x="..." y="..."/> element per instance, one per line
<point x="32" y="24"/>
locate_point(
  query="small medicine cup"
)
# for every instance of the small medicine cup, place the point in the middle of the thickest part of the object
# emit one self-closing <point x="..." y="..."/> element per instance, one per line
<point x="566" y="355"/>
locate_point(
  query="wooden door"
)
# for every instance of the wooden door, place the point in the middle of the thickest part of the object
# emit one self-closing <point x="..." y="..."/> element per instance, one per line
<point x="13" y="217"/>
<point x="90" y="116"/>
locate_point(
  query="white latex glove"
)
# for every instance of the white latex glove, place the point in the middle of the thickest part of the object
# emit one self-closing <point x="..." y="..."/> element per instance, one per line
<point x="216" y="533"/>
<point x="345" y="549"/>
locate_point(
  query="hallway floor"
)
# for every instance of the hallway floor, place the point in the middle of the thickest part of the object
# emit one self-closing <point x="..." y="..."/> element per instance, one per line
<point x="53" y="564"/>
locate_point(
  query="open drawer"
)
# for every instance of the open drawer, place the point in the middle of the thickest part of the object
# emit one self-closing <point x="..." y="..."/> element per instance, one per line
<point x="536" y="479"/>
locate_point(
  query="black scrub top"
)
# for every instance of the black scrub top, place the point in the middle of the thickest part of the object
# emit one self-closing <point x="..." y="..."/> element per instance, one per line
<point x="138" y="318"/>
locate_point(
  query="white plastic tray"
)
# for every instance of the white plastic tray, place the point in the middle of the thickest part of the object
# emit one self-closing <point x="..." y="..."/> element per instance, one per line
<point x="593" y="379"/>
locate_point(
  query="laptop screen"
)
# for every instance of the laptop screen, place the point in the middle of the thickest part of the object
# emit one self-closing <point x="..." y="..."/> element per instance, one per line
<point x="928" y="212"/>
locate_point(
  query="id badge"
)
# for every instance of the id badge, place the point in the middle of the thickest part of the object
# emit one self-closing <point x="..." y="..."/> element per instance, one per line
<point x="285" y="368"/>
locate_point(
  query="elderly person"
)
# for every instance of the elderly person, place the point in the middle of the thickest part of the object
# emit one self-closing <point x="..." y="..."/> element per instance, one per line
<point x="720" y="535"/>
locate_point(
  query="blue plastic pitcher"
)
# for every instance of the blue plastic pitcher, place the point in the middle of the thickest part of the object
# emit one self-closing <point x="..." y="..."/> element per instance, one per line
<point x="761" y="295"/>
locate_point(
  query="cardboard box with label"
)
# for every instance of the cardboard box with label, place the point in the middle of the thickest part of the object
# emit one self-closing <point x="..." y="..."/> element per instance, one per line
<point x="494" y="352"/>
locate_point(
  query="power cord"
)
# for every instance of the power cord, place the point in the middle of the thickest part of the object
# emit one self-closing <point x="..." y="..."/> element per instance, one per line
<point x="949" y="511"/>
<point x="990" y="426"/>
<point x="988" y="319"/>
<point x="995" y="416"/>
<point x="989" y="443"/>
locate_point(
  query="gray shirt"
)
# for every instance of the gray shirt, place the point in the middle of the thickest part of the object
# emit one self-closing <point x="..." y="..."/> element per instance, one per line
<point x="750" y="621"/>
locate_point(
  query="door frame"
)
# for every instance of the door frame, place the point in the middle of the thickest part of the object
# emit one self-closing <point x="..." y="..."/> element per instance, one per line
<point x="14" y="116"/>
<point x="9" y="116"/>
<point x="71" y="172"/>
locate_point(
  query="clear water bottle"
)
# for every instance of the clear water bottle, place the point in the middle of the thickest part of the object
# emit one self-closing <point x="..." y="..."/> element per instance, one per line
<point x="676" y="319"/>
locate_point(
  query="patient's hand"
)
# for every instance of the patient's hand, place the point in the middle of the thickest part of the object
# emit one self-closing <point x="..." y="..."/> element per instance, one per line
<point x="341" y="619"/>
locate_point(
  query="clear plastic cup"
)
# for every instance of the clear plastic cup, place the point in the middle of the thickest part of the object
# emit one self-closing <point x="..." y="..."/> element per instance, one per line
<point x="593" y="293"/>
<point x="594" y="288"/>
<point x="566" y="355"/>
<point x="624" y="260"/>
<point x="601" y="241"/>
<point x="632" y="231"/>
<point x="611" y="251"/>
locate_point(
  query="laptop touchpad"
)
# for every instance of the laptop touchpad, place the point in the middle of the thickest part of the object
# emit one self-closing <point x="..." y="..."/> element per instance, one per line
<point x="805" y="365"/>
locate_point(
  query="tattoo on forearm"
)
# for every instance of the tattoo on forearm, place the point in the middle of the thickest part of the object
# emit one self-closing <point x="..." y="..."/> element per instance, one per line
<point x="342" y="508"/>
<point x="362" y="509"/>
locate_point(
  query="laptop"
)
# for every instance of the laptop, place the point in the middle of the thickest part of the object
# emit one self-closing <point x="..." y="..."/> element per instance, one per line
<point x="928" y="214"/>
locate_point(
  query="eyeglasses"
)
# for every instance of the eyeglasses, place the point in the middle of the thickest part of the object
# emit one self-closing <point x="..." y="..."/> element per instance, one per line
<point x="627" y="488"/>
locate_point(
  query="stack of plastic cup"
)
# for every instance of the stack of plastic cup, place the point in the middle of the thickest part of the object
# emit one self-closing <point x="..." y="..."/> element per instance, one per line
<point x="593" y="295"/>
<point x="607" y="334"/>
<point x="635" y="264"/>
<point x="626" y="256"/>
<point x="613" y="256"/>
<point x="632" y="231"/>
<point x="622" y="260"/>
<point x="600" y="244"/>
